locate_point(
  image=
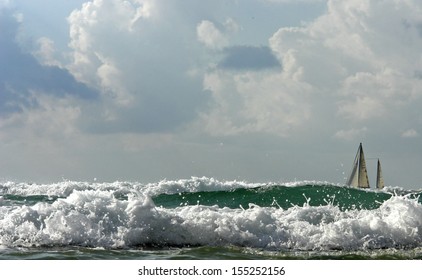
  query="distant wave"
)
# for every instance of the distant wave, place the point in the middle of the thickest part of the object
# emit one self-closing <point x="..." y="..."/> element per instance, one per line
<point x="194" y="184"/>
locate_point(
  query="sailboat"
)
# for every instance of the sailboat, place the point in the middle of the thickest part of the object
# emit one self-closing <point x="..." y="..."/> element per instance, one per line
<point x="380" y="179"/>
<point x="359" y="176"/>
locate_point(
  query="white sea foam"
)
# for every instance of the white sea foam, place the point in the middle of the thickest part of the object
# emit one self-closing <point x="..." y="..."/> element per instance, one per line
<point x="95" y="218"/>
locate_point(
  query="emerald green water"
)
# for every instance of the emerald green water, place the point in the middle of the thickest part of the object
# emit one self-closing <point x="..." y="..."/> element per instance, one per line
<point x="279" y="196"/>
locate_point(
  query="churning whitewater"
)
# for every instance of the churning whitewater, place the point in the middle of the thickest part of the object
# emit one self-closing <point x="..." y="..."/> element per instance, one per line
<point x="300" y="216"/>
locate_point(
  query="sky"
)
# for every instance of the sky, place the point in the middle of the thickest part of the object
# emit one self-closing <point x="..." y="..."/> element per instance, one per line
<point x="251" y="90"/>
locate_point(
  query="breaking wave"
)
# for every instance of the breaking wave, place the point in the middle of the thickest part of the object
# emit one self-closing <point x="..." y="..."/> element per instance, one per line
<point x="300" y="216"/>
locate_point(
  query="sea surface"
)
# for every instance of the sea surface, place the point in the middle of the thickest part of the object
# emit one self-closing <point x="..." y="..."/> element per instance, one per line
<point x="204" y="218"/>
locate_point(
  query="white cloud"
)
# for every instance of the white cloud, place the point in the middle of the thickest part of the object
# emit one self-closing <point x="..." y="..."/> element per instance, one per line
<point x="54" y="118"/>
<point x="295" y="1"/>
<point x="210" y="35"/>
<point x="105" y="34"/>
<point x="46" y="52"/>
<point x="232" y="26"/>
<point x="131" y="52"/>
<point x="362" y="108"/>
<point x="96" y="31"/>
<point x="110" y="80"/>
<point x="214" y="37"/>
<point x="144" y="10"/>
<point x="362" y="53"/>
<point x="357" y="62"/>
<point x="410" y="133"/>
<point x="351" y="134"/>
<point x="255" y="102"/>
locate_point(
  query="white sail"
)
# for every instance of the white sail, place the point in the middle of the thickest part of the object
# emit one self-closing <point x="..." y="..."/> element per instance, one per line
<point x="380" y="179"/>
<point x="359" y="176"/>
<point x="353" y="180"/>
<point x="363" y="173"/>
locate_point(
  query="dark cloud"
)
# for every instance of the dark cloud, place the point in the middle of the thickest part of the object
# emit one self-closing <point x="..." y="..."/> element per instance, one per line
<point x="20" y="72"/>
<point x="249" y="58"/>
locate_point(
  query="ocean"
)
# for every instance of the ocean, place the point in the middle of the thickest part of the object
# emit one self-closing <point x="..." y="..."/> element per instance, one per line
<point x="207" y="219"/>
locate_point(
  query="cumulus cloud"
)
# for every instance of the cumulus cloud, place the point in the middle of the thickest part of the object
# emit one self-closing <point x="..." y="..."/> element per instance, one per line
<point x="130" y="51"/>
<point x="215" y="37"/>
<point x="358" y="61"/>
<point x="254" y="102"/>
<point x="210" y="35"/>
<point x="46" y="52"/>
<point x="363" y="52"/>
<point x="21" y="74"/>
<point x="360" y="57"/>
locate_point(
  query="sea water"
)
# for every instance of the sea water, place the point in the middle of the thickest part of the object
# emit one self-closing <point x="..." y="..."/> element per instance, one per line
<point x="204" y="218"/>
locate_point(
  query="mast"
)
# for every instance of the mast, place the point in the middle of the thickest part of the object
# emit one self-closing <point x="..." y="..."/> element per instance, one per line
<point x="380" y="179"/>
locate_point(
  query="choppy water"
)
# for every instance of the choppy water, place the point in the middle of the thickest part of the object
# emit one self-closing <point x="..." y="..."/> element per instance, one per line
<point x="203" y="218"/>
